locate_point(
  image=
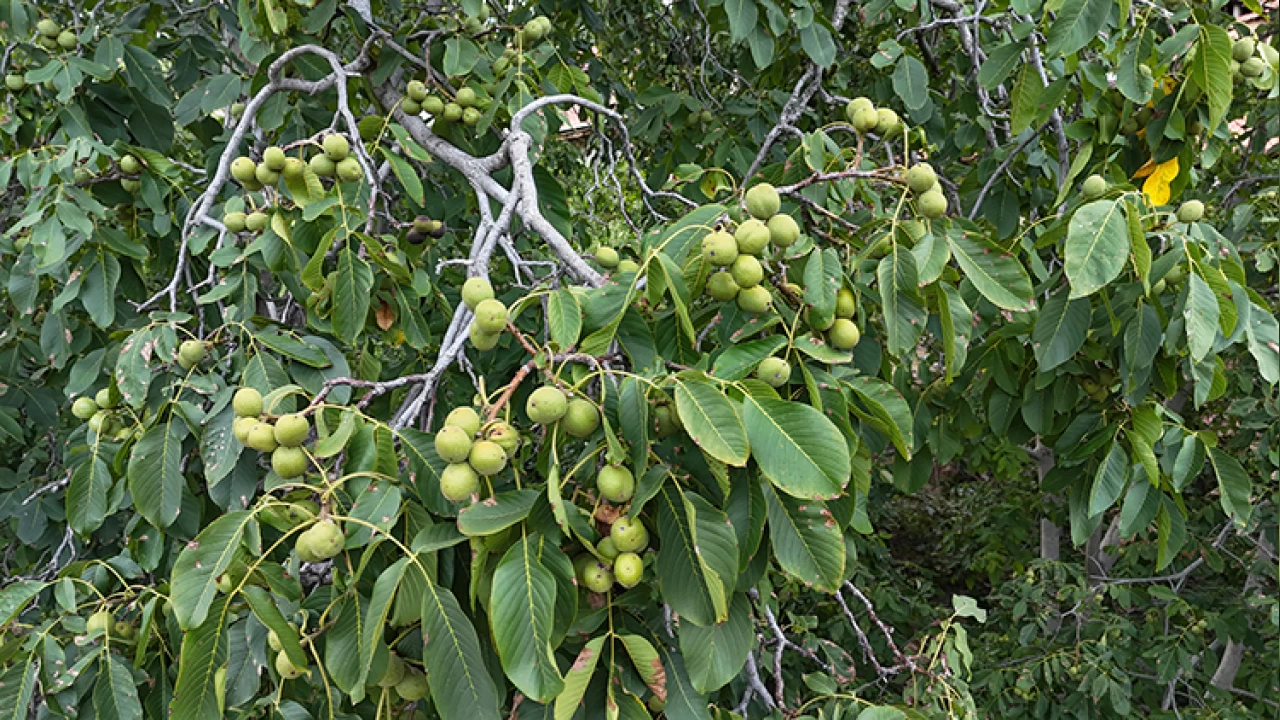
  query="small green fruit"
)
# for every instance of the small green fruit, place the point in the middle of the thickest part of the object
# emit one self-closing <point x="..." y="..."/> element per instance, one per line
<point x="48" y="28"/>
<point x="482" y="340"/>
<point x="747" y="271"/>
<point x="546" y="405"/>
<point x="234" y="221"/>
<point x="1253" y="67"/>
<point x="336" y="148"/>
<point x="241" y="427"/>
<point x="629" y="535"/>
<point x="581" y="418"/>
<point x="129" y="165"/>
<point x="247" y="402"/>
<point x="921" y="177"/>
<point x="452" y="112"/>
<point x="596" y="577"/>
<point x="453" y="444"/>
<point x="491" y="315"/>
<point x="628" y="569"/>
<point x="466" y="97"/>
<point x="293" y="168"/>
<point x="607" y="257"/>
<point x="752" y="236"/>
<point x="99" y="621"/>
<point x="433" y="105"/>
<point x="866" y="120"/>
<point x="348" y="170"/>
<point x="417" y="91"/>
<point x="722" y="287"/>
<point x="783" y="230"/>
<point x="616" y="483"/>
<point x="262" y="437"/>
<point x="627" y="265"/>
<point x="104" y="398"/>
<point x="131" y="186"/>
<point x="607" y="549"/>
<point x="122" y="629"/>
<point x="273" y="157"/>
<point x="845" y="305"/>
<point x="413" y="687"/>
<point x="1190" y="211"/>
<point x="487" y="458"/>
<point x="287" y="670"/>
<point x="763" y="201"/>
<point x="15" y="82"/>
<point x="243" y="170"/>
<point x="1094" y="186"/>
<point x="466" y="418"/>
<point x="458" y="482"/>
<point x="324" y="539"/>
<point x="476" y="290"/>
<point x="84" y="408"/>
<point x="1243" y="49"/>
<point x="844" y="334"/>
<point x="856" y="104"/>
<point x="774" y="370"/>
<point x="190" y="353"/>
<point x="237" y="109"/>
<point x="256" y="221"/>
<point x="225" y="583"/>
<point x="755" y="299"/>
<point x="505" y="436"/>
<point x="394" y="672"/>
<point x="665" y="420"/>
<point x="67" y="40"/>
<point x="291" y="430"/>
<point x="719" y="248"/>
<point x="932" y="204"/>
<point x="322" y="166"/>
<point x="888" y="124"/>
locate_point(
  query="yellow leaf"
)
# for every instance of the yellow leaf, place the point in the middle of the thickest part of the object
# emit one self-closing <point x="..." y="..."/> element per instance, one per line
<point x="1145" y="170"/>
<point x="1156" y="187"/>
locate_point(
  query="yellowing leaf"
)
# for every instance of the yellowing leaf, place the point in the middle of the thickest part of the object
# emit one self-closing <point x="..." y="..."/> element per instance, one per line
<point x="1156" y="187"/>
<point x="1145" y="170"/>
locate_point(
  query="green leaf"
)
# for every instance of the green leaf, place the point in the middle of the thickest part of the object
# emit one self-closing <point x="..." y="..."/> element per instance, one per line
<point x="407" y="176"/>
<point x="999" y="64"/>
<point x="888" y="407"/>
<point x="904" y="313"/>
<point x="523" y="603"/>
<point x="293" y="348"/>
<point x="1108" y="482"/>
<point x="496" y="513"/>
<point x="1025" y="99"/>
<point x="1210" y="70"/>
<point x="576" y="680"/>
<point x="738" y="361"/>
<point x="460" y="56"/>
<point x="14" y="597"/>
<point x="692" y="583"/>
<point x="115" y="694"/>
<point x="1130" y="81"/>
<point x="375" y="619"/>
<point x="1097" y="246"/>
<point x="155" y="473"/>
<point x="200" y="563"/>
<point x="1263" y="335"/>
<point x="1139" y="508"/>
<point x="742" y="18"/>
<point x="204" y="650"/>
<point x="911" y="82"/>
<point x="684" y="702"/>
<point x="798" y="448"/>
<point x="715" y="654"/>
<point x="1078" y="23"/>
<point x="265" y="609"/>
<point x="1201" y="316"/>
<point x="219" y="450"/>
<point x="822" y="279"/>
<point x="461" y="686"/>
<point x="712" y="420"/>
<point x="87" y="495"/>
<point x="995" y="273"/>
<point x="679" y="237"/>
<point x="818" y="44"/>
<point x="352" y="293"/>
<point x="647" y="663"/>
<point x="564" y="318"/>
<point x="1060" y="329"/>
<point x="1234" y="486"/>
<point x="17" y="687"/>
<point x="806" y="540"/>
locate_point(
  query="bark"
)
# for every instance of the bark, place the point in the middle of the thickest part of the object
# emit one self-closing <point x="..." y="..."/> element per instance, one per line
<point x="1224" y="677"/>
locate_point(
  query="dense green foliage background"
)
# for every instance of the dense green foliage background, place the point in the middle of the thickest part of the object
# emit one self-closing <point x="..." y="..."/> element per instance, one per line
<point x="1043" y="484"/>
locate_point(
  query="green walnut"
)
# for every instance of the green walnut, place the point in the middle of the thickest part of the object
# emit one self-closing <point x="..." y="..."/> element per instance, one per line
<point x="581" y="418"/>
<point x="606" y="257"/>
<point x="629" y="535"/>
<point x="482" y="340"/>
<point x="243" y="170"/>
<point x="888" y="124"/>
<point x="774" y="370"/>
<point x="487" y="458"/>
<point x="287" y="670"/>
<point x="241" y="426"/>
<point x="628" y="569"/>
<point x="466" y="418"/>
<point x="84" y="408"/>
<point x="289" y="462"/>
<point x="747" y="271"/>
<point x="721" y="286"/>
<point x="855" y="105"/>
<point x="14" y="82"/>
<point x="546" y="405"/>
<point x="845" y="305"/>
<point x="412" y="687"/>
<point x="763" y="201"/>
<point x="417" y="91"/>
<point x="234" y="221"/>
<point x="453" y="444"/>
<point x="504" y="435"/>
<point x="932" y="204"/>
<point x="491" y="315"/>
<point x="752" y="236"/>
<point x="48" y="28"/>
<point x="336" y="148"/>
<point x="262" y="437"/>
<point x="129" y="165"/>
<point x="1190" y="211"/>
<point x="476" y="290"/>
<point x="1094" y="186"/>
<point x="99" y="621"/>
<point x="452" y="112"/>
<point x="719" y="248"/>
<point x="322" y="166"/>
<point x="627" y="265"/>
<point x="349" y="170"/>
<point x="190" y="353"/>
<point x="67" y="40"/>
<point x="596" y="577"/>
<point x="247" y="402"/>
<point x="256" y="221"/>
<point x="1243" y="49"/>
<point x="783" y="230"/>
<point x="466" y="97"/>
<point x="755" y="299"/>
<point x="433" y="105"/>
<point x="323" y="540"/>
<point x="921" y="177"/>
<point x="292" y="429"/>
<point x="844" y="334"/>
<point x="458" y="482"/>
<point x="616" y="483"/>
<point x="866" y="120"/>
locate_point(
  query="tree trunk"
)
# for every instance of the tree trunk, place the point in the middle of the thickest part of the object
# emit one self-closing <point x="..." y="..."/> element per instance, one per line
<point x="1224" y="677"/>
<point x="1050" y="533"/>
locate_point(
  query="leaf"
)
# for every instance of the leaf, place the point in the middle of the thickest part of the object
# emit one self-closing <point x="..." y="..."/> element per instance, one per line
<point x="1060" y="329"/>
<point x="1097" y="246"/>
<point x="351" y="296"/>
<point x="818" y="44"/>
<point x="1157" y="187"/>
<point x="647" y="663"/>
<point x="715" y="654"/>
<point x="375" y="619"/>
<point x="911" y="82"/>
<point x="689" y="583"/>
<point x="1025" y="99"/>
<point x="806" y="540"/>
<point x="1130" y="81"/>
<point x="1234" y="486"/>
<point x="155" y="473"/>
<point x="904" y="313"/>
<point x="999" y="64"/>
<point x="496" y="513"/>
<point x="1077" y="25"/>
<point x="711" y="419"/>
<point x="523" y="604"/>
<point x="460" y="56"/>
<point x="14" y="597"/>
<point x="115" y="694"/>
<point x="293" y="348"/>
<point x="1108" y="482"/>
<point x="891" y="410"/>
<point x="822" y="280"/>
<point x="798" y="448"/>
<point x="687" y="232"/>
<point x="200" y="563"/>
<point x="266" y="611"/>
<point x="1210" y="70"/>
<point x="407" y="176"/>
<point x="219" y="450"/>
<point x="1263" y="335"/>
<point x="460" y="684"/>
<point x="87" y="495"/>
<point x="738" y="361"/>
<point x="1201" y="316"/>
<point x="564" y="318"/>
<point x="742" y="18"/>
<point x="996" y="274"/>
<point x="204" y="650"/>
<point x="683" y="701"/>
<point x="577" y="678"/>
<point x="17" y="687"/>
